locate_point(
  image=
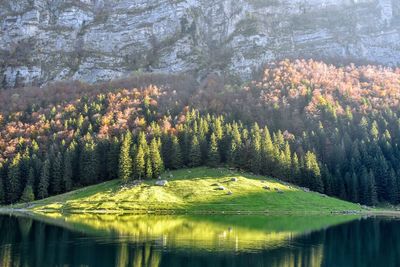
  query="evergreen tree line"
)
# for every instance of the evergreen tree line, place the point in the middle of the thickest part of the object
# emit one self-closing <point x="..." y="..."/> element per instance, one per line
<point x="200" y="140"/>
<point x="360" y="153"/>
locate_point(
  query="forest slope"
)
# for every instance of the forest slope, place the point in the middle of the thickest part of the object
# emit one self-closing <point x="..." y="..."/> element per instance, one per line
<point x="335" y="130"/>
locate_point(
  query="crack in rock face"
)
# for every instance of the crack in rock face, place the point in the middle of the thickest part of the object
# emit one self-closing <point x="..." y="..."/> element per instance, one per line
<point x="97" y="40"/>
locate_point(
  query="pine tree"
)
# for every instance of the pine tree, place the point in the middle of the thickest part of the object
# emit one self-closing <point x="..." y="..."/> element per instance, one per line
<point x="56" y="174"/>
<point x="279" y="140"/>
<point x="393" y="190"/>
<point x="141" y="157"/>
<point x="255" y="158"/>
<point x="2" y="192"/>
<point x="149" y="168"/>
<point x="286" y="162"/>
<point x="155" y="158"/>
<point x="102" y="150"/>
<point x="194" y="153"/>
<point x="113" y="159"/>
<point x="31" y="177"/>
<point x="348" y="186"/>
<point x="203" y="146"/>
<point x="374" y="132"/>
<point x="277" y="155"/>
<point x="28" y="195"/>
<point x="235" y="146"/>
<point x="68" y="172"/>
<point x="73" y="151"/>
<point x="327" y="180"/>
<point x="353" y="192"/>
<point x="295" y="170"/>
<point x="245" y="150"/>
<point x="14" y="179"/>
<point x="133" y="156"/>
<point x="313" y="172"/>
<point x="372" y="194"/>
<point x="125" y="160"/>
<point x="382" y="173"/>
<point x="140" y="163"/>
<point x="142" y="142"/>
<point x="342" y="189"/>
<point x="217" y="128"/>
<point x="213" y="153"/>
<point x="24" y="167"/>
<point x="224" y="145"/>
<point x="88" y="162"/>
<point x="175" y="154"/>
<point x="43" y="188"/>
<point x="166" y="149"/>
<point x="36" y="167"/>
<point x="363" y="186"/>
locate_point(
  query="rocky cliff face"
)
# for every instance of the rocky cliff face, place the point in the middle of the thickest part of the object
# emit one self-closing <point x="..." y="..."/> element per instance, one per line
<point x="91" y="40"/>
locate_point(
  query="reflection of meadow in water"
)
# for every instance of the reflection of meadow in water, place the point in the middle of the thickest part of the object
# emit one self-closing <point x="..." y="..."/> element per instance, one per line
<point x="108" y="240"/>
<point x="226" y="233"/>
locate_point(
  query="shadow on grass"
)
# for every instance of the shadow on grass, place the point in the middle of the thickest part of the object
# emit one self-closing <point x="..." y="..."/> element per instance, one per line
<point x="273" y="201"/>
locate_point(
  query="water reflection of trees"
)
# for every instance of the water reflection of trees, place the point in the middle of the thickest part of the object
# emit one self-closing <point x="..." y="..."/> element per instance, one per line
<point x="24" y="242"/>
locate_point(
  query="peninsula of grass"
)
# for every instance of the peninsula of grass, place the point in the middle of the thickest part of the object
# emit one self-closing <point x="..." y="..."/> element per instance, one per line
<point x="198" y="190"/>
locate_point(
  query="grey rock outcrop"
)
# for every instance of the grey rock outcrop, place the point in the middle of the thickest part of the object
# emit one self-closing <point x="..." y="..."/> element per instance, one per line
<point x="161" y="182"/>
<point x="92" y="40"/>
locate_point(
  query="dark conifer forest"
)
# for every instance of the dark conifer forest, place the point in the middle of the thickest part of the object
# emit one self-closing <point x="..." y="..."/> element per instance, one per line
<point x="335" y="130"/>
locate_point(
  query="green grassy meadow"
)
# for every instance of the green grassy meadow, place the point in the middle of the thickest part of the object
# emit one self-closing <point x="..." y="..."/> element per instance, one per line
<point x="194" y="191"/>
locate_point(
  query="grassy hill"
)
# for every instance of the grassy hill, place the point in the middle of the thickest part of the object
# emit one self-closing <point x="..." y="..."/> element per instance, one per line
<point x="195" y="191"/>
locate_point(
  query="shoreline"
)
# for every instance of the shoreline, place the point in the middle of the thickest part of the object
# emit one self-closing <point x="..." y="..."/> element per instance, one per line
<point x="383" y="213"/>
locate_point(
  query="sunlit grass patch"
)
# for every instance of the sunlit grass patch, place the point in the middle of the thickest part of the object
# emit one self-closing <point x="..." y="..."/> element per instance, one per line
<point x="199" y="190"/>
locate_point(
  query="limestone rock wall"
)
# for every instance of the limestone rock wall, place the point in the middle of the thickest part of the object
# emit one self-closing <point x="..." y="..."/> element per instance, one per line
<point x="92" y="40"/>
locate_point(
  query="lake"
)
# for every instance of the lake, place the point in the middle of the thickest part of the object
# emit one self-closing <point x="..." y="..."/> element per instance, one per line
<point x="133" y="240"/>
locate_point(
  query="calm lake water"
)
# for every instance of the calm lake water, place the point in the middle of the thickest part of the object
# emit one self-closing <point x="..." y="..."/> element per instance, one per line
<point x="110" y="240"/>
